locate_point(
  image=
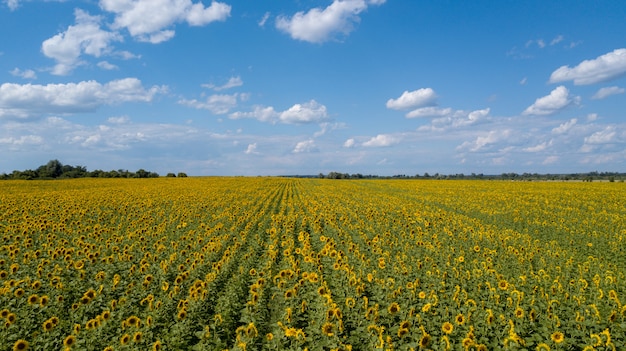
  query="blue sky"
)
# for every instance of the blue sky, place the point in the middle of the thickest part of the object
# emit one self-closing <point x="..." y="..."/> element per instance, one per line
<point x="302" y="87"/>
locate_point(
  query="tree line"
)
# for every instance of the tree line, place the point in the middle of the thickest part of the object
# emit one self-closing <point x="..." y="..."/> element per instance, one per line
<point x="585" y="177"/>
<point x="54" y="169"/>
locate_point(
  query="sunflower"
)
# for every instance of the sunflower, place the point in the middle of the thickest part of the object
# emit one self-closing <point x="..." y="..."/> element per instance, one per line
<point x="542" y="347"/>
<point x="48" y="325"/>
<point x="557" y="337"/>
<point x="43" y="300"/>
<point x="459" y="319"/>
<point x="425" y="341"/>
<point x="11" y="317"/>
<point x="20" y="345"/>
<point x="251" y="331"/>
<point x="33" y="299"/>
<point x="269" y="336"/>
<point x="532" y="315"/>
<point x="503" y="285"/>
<point x="327" y="329"/>
<point x="519" y="312"/>
<point x="69" y="341"/>
<point x="426" y="307"/>
<point x="133" y="321"/>
<point x="447" y="327"/>
<point x="405" y="325"/>
<point x="393" y="308"/>
<point x="19" y="293"/>
<point x="289" y="293"/>
<point x="137" y="337"/>
<point x="421" y="295"/>
<point x="157" y="346"/>
<point x="4" y="313"/>
<point x="490" y="317"/>
<point x="125" y="339"/>
<point x="402" y="332"/>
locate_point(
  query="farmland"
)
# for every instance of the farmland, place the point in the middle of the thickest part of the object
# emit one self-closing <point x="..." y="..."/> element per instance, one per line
<point x="295" y="264"/>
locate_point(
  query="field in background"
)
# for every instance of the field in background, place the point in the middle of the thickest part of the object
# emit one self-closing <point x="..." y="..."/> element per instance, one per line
<point x="291" y="264"/>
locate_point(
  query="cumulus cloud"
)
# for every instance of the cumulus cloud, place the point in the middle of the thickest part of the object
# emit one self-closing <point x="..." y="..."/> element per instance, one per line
<point x="218" y="104"/>
<point x="565" y="127"/>
<point x="251" y="150"/>
<point x="603" y="68"/>
<point x="349" y="143"/>
<point x="26" y="74"/>
<point x="305" y="146"/>
<point x="603" y="93"/>
<point x="28" y="100"/>
<point x="482" y="142"/>
<point x="149" y="20"/>
<point x="233" y="82"/>
<point x="413" y="99"/>
<point x="85" y="37"/>
<point x="319" y="25"/>
<point x="556" y="101"/>
<point x="309" y="112"/>
<point x="430" y="112"/>
<point x="382" y="140"/>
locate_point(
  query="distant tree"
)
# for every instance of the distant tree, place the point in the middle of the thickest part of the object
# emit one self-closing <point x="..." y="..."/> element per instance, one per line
<point x="171" y="175"/>
<point x="182" y="174"/>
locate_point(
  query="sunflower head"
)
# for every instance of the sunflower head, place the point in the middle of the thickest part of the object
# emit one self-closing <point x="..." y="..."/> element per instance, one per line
<point x="557" y="337"/>
<point x="20" y="345"/>
<point x="425" y="341"/>
<point x="69" y="341"/>
<point x="447" y="327"/>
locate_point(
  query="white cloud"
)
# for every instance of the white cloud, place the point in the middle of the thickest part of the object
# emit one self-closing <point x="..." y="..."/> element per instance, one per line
<point x="413" y="99"/>
<point x="349" y="143"/>
<point x="603" y="93"/>
<point x="550" y="160"/>
<point x="26" y="74"/>
<point x="218" y="104"/>
<point x="537" y="148"/>
<point x="556" y="101"/>
<point x="264" y="19"/>
<point x="604" y="136"/>
<point x="523" y="81"/>
<point x="18" y="143"/>
<point x="148" y="20"/>
<point x="85" y="37"/>
<point x="605" y="67"/>
<point x="559" y="38"/>
<point x="429" y="112"/>
<point x="118" y="120"/>
<point x="232" y="83"/>
<point x="251" y="150"/>
<point x="481" y="142"/>
<point x="565" y="127"/>
<point x="320" y="25"/>
<point x="305" y="146"/>
<point x="309" y="112"/>
<point x="382" y="140"/>
<point x="107" y="65"/>
<point x="29" y="100"/>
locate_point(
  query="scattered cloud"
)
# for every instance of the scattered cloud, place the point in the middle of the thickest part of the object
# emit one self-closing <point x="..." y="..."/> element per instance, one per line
<point x="264" y="19"/>
<point x="218" y="104"/>
<point x="349" y="143"/>
<point x="565" y="126"/>
<point x="149" y="20"/>
<point x="105" y="65"/>
<point x="484" y="141"/>
<point x="26" y="74"/>
<point x="413" y="99"/>
<point x="251" y="150"/>
<point x="320" y="25"/>
<point x="28" y="100"/>
<point x="603" y="68"/>
<point x="523" y="81"/>
<point x="431" y="111"/>
<point x="556" y="101"/>
<point x="382" y="140"/>
<point x="559" y="38"/>
<point x="305" y="146"/>
<point x="603" y="93"/>
<point x="233" y="82"/>
<point x="309" y="112"/>
<point x="85" y="37"/>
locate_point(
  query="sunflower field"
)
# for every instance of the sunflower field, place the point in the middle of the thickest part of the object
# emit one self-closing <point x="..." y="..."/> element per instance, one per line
<point x="224" y="263"/>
